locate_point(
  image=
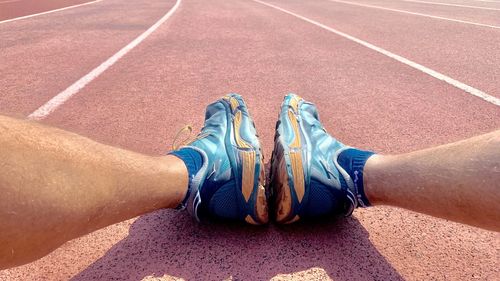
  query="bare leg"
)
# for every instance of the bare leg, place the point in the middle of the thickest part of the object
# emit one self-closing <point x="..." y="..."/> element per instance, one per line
<point x="458" y="181"/>
<point x="56" y="186"/>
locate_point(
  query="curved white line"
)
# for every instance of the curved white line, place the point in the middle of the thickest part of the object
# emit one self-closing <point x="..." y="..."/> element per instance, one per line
<point x="49" y="12"/>
<point x="65" y="95"/>
<point x="455" y="83"/>
<point x="414" y="13"/>
<point x="453" y="5"/>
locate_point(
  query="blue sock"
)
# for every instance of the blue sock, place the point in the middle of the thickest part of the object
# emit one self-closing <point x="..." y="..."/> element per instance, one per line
<point x="353" y="161"/>
<point x="193" y="161"/>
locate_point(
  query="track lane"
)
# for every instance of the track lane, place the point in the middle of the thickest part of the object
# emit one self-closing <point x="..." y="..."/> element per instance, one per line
<point x="59" y="100"/>
<point x="18" y="8"/>
<point x="365" y="99"/>
<point x="443" y="3"/>
<point x="42" y="56"/>
<point x="465" y="53"/>
<point x="458" y="14"/>
<point x="435" y="74"/>
<point x="479" y="3"/>
<point x="476" y="3"/>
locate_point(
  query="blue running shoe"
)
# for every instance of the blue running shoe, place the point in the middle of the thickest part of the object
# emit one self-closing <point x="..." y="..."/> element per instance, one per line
<point x="230" y="183"/>
<point x="306" y="178"/>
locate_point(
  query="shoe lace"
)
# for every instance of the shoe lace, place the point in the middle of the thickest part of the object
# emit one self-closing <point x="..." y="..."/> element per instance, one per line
<point x="176" y="144"/>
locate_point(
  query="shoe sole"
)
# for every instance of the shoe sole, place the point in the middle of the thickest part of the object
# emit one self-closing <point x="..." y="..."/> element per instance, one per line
<point x="253" y="173"/>
<point x="287" y="171"/>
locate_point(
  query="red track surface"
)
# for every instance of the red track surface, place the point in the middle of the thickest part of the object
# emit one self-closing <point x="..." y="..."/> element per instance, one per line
<point x="209" y="48"/>
<point x="17" y="8"/>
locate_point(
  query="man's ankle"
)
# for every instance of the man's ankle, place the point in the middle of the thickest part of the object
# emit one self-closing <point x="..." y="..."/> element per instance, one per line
<point x="193" y="160"/>
<point x="353" y="161"/>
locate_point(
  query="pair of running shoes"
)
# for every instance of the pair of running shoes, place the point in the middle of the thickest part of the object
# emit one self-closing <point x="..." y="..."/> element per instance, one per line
<point x="306" y="178"/>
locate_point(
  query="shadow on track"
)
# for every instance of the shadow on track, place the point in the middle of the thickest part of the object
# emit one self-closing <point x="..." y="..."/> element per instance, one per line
<point x="171" y="243"/>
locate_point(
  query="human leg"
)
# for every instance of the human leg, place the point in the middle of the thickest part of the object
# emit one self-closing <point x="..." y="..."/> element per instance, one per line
<point x="458" y="181"/>
<point x="56" y="186"/>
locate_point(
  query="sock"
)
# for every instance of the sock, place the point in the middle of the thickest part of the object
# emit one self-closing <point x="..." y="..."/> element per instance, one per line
<point x="353" y="161"/>
<point x="193" y="161"/>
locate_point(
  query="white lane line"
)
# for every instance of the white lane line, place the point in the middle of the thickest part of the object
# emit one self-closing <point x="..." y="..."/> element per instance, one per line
<point x="65" y="95"/>
<point x="49" y="12"/>
<point x="453" y="5"/>
<point x="9" y="1"/>
<point x="469" y="89"/>
<point x="414" y="13"/>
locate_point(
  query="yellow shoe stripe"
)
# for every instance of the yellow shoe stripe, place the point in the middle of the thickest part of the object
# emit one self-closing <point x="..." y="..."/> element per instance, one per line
<point x="295" y="127"/>
<point x="248" y="159"/>
<point x="248" y="173"/>
<point x="298" y="174"/>
<point x="296" y="157"/>
<point x="294" y="103"/>
<point x="237" y="124"/>
<point x="234" y="103"/>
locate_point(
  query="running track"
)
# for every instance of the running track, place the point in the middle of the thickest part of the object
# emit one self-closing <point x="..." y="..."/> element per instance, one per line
<point x="209" y="48"/>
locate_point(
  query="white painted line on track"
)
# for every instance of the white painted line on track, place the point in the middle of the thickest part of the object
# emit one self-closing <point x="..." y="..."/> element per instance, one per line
<point x="49" y="12"/>
<point x="9" y="1"/>
<point x="469" y="89"/>
<point x="65" y="95"/>
<point x="453" y="5"/>
<point x="414" y="13"/>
